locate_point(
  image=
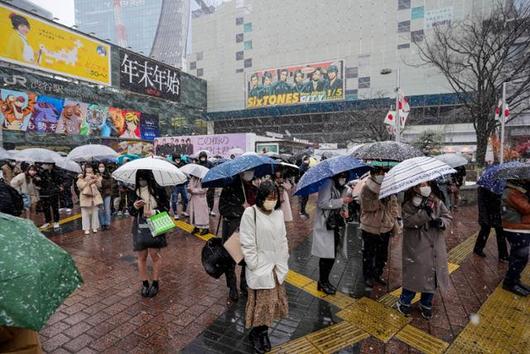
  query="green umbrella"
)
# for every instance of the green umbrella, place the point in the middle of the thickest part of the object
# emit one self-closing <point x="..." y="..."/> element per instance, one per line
<point x="36" y="275"/>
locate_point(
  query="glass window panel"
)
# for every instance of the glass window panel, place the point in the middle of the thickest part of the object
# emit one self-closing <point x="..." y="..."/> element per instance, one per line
<point x="248" y="63"/>
<point x="247" y="45"/>
<point x="240" y="55"/>
<point x="404" y="26"/>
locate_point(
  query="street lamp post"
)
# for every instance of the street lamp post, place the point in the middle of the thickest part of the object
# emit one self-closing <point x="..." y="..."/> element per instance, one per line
<point x="502" y="118"/>
<point x="397" y="119"/>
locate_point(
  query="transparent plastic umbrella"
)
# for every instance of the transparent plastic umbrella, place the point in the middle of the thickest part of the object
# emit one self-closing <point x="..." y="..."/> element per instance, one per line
<point x="195" y="170"/>
<point x="92" y="152"/>
<point x="36" y="155"/>
<point x="166" y="174"/>
<point x="68" y="165"/>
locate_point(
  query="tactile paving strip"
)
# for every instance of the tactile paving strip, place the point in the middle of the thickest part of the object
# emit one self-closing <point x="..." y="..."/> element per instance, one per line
<point x="502" y="325"/>
<point x="188" y="228"/>
<point x="461" y="251"/>
<point x="375" y="318"/>
<point x="421" y="341"/>
<point x="301" y="345"/>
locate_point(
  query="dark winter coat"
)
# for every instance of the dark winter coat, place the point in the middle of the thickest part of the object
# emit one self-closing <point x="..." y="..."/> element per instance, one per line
<point x="10" y="200"/>
<point x="232" y="200"/>
<point x="50" y="182"/>
<point x="106" y="185"/>
<point x="489" y="208"/>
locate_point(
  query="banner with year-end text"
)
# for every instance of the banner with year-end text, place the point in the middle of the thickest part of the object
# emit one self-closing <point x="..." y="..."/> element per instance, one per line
<point x="37" y="43"/>
<point x="310" y="83"/>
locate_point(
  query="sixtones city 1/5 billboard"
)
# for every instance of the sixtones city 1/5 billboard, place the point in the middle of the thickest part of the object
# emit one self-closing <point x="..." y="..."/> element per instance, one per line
<point x="30" y="41"/>
<point x="309" y="83"/>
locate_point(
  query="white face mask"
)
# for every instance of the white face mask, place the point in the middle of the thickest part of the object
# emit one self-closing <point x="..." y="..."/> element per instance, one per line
<point x="342" y="181"/>
<point x="142" y="183"/>
<point x="269" y="204"/>
<point x="248" y="176"/>
<point x="101" y="169"/>
<point x="416" y="201"/>
<point x="425" y="191"/>
<point x="379" y="178"/>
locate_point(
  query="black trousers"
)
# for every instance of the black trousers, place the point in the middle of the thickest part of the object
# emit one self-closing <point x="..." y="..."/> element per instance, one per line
<point x="66" y="198"/>
<point x="229" y="227"/>
<point x="375" y="254"/>
<point x="483" y="238"/>
<point x="325" y="265"/>
<point x="519" y="248"/>
<point x="50" y="204"/>
<point x="210" y="198"/>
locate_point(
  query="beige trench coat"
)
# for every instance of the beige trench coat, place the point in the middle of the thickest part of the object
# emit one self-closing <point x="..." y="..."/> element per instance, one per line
<point x="86" y="201"/>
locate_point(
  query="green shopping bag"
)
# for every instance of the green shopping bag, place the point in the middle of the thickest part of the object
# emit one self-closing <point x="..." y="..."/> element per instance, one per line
<point x="160" y="223"/>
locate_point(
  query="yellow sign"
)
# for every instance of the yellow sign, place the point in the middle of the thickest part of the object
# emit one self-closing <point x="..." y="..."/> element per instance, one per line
<point x="34" y="42"/>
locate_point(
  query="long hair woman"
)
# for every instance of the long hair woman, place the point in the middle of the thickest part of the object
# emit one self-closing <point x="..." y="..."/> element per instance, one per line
<point x="146" y="199"/>
<point x="89" y="184"/>
<point x="266" y="251"/>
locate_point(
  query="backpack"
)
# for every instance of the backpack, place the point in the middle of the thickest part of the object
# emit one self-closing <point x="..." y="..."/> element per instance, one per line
<point x="11" y="201"/>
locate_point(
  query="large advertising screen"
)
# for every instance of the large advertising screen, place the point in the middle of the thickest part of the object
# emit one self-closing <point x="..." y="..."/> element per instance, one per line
<point x="33" y="42"/>
<point x="317" y="82"/>
<point x="219" y="144"/>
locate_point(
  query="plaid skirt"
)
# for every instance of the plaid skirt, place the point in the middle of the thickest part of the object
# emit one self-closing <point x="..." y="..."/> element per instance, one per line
<point x="266" y="305"/>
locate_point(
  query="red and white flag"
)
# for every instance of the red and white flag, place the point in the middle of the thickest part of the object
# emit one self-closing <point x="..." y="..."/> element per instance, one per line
<point x="390" y="118"/>
<point x="404" y="108"/>
<point x="498" y="110"/>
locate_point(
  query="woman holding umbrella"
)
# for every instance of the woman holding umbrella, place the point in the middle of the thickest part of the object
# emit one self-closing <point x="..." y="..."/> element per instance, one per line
<point x="147" y="198"/>
<point x="425" y="217"/>
<point x="329" y="222"/>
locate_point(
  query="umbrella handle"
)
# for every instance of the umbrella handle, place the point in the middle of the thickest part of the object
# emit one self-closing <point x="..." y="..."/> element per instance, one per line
<point x="218" y="225"/>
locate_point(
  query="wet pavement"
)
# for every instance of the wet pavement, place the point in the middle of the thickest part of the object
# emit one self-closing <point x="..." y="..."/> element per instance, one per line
<point x="191" y="313"/>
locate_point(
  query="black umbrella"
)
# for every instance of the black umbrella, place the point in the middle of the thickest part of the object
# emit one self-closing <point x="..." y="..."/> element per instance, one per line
<point x="387" y="151"/>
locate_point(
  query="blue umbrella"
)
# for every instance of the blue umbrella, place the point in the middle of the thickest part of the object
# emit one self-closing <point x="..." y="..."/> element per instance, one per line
<point x="316" y="176"/>
<point x="222" y="175"/>
<point x="490" y="180"/>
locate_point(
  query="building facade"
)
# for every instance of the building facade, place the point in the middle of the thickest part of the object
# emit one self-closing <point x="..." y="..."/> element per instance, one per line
<point x="155" y="28"/>
<point x="367" y="41"/>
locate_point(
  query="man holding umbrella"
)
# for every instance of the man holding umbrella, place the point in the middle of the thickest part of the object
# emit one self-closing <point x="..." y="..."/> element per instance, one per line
<point x="378" y="218"/>
<point x="50" y="185"/>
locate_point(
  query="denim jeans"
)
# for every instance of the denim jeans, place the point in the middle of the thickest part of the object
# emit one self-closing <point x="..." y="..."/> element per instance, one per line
<point x="104" y="212"/>
<point x="407" y="296"/>
<point x="179" y="190"/>
<point x="519" y="245"/>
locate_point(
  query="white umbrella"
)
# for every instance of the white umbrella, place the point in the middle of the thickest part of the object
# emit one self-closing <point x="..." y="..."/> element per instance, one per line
<point x="166" y="174"/>
<point x="92" y="152"/>
<point x="68" y="165"/>
<point x="193" y="169"/>
<point x="412" y="172"/>
<point x="453" y="160"/>
<point x="36" y="155"/>
<point x="236" y="151"/>
<point x="5" y="155"/>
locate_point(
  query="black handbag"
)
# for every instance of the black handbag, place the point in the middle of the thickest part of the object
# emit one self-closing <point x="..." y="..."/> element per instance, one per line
<point x="215" y="258"/>
<point x="334" y="220"/>
<point x="142" y="237"/>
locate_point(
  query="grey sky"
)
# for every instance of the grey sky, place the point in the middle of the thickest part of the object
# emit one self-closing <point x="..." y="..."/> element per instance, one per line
<point x="62" y="9"/>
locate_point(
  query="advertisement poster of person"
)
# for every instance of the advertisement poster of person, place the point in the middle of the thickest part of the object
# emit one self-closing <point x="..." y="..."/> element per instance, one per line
<point x="217" y="144"/>
<point x="132" y="124"/>
<point x="309" y="83"/>
<point x="40" y="44"/>
<point x="16" y="108"/>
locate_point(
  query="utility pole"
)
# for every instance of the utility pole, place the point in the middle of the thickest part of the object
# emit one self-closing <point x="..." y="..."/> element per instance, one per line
<point x="397" y="120"/>
<point x="503" y="119"/>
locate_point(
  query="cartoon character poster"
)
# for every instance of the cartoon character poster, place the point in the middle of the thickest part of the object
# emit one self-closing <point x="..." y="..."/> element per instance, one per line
<point x="16" y="108"/>
<point x="72" y="117"/>
<point x="96" y="120"/>
<point x="46" y="113"/>
<point x="132" y="124"/>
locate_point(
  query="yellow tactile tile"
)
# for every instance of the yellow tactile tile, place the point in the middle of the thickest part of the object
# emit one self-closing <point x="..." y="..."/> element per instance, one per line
<point x="297" y="279"/>
<point x="421" y="341"/>
<point x="188" y="228"/>
<point x="502" y="325"/>
<point x="375" y="318"/>
<point x="337" y="337"/>
<point x="63" y="221"/>
<point x="301" y="345"/>
<point x="462" y="250"/>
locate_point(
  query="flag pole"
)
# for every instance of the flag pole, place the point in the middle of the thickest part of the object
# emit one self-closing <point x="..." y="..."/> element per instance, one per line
<point x="502" y="118"/>
<point x="397" y="119"/>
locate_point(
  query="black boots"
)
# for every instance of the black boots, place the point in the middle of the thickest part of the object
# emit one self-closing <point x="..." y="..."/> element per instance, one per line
<point x="233" y="294"/>
<point x="145" y="288"/>
<point x="259" y="338"/>
<point x="327" y="288"/>
<point x="325" y="265"/>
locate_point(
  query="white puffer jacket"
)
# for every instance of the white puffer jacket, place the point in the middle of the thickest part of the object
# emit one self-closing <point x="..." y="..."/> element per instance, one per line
<point x="265" y="247"/>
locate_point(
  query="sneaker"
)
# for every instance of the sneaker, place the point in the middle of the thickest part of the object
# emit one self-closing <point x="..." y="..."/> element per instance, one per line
<point x="94" y="230"/>
<point x="426" y="312"/>
<point x="45" y="226"/>
<point x="56" y="225"/>
<point x="176" y="217"/>
<point x="516" y="289"/>
<point x="212" y="213"/>
<point x="62" y="210"/>
<point x="204" y="232"/>
<point x="68" y="211"/>
<point x="126" y="213"/>
<point x="186" y="215"/>
<point x="87" y="232"/>
<point x="403" y="309"/>
<point x="119" y="213"/>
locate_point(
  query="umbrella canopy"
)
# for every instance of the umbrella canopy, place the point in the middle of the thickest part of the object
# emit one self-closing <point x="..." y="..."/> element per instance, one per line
<point x="488" y="180"/>
<point x="222" y="175"/>
<point x="37" y="155"/>
<point x="4" y="154"/>
<point x="412" y="172"/>
<point x="453" y="160"/>
<point x="68" y="165"/>
<point x="195" y="170"/>
<point x="126" y="158"/>
<point x="316" y="176"/>
<point x="165" y="173"/>
<point x="236" y="151"/>
<point x="387" y="151"/>
<point x="513" y="170"/>
<point x="92" y="152"/>
<point x="36" y="275"/>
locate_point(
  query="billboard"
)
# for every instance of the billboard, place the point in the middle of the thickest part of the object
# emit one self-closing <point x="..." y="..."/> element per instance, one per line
<point x="148" y="77"/>
<point x="218" y="144"/>
<point x="34" y="42"/>
<point x="317" y="82"/>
